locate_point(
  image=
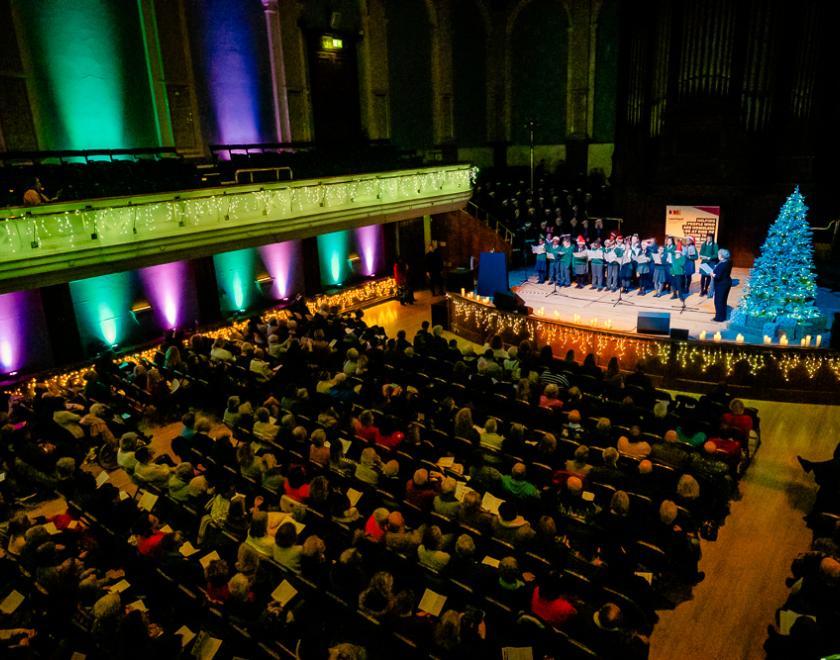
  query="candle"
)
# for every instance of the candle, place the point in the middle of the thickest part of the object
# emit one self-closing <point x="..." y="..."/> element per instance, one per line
<point x="783" y="340"/>
<point x="768" y="339"/>
<point x="702" y="335"/>
<point x="739" y="339"/>
<point x="462" y="291"/>
<point x="803" y="342"/>
<point x="718" y="336"/>
<point x="807" y="340"/>
<point x="577" y="318"/>
<point x="819" y="341"/>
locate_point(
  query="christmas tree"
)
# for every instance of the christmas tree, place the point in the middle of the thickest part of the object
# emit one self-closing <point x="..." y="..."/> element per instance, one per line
<point x="782" y="281"/>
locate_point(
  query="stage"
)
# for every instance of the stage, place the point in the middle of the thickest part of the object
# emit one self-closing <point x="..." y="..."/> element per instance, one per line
<point x="583" y="306"/>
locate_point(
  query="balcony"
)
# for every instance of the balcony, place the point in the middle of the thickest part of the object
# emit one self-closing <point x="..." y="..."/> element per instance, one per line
<point x="66" y="241"/>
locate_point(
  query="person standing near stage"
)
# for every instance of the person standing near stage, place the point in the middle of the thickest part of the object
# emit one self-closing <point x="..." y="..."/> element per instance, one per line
<point x="564" y="262"/>
<point x="434" y="268"/>
<point x="642" y="259"/>
<point x="722" y="277"/>
<point x="579" y="262"/>
<point x="540" y="250"/>
<point x="659" y="278"/>
<point x="691" y="255"/>
<point x="708" y="256"/>
<point x="612" y="264"/>
<point x="551" y="250"/>
<point x="596" y="265"/>
<point x="625" y="271"/>
<point x="677" y="272"/>
<point x="670" y="248"/>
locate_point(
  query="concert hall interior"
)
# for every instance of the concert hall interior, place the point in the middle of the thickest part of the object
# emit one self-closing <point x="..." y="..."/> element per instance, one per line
<point x="363" y="329"/>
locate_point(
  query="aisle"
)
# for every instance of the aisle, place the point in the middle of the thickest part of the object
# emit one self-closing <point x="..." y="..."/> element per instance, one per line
<point x="747" y="566"/>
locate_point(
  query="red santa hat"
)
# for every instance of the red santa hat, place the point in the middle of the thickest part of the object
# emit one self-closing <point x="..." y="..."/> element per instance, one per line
<point x="679" y="246"/>
<point x="581" y="239"/>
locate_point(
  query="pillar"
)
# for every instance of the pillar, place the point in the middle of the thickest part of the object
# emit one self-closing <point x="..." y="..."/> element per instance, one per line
<point x="291" y="50"/>
<point x="373" y="70"/>
<point x="154" y="68"/>
<point x="278" y="71"/>
<point x="442" y="94"/>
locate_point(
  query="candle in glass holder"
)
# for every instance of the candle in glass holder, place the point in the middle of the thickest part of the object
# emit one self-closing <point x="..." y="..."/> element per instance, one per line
<point x="739" y="339"/>
<point x="783" y="340"/>
<point x="819" y="341"/>
<point x="803" y="342"/>
<point x="768" y="339"/>
<point x="807" y="340"/>
<point x="718" y="336"/>
<point x="462" y="291"/>
<point x="702" y="335"/>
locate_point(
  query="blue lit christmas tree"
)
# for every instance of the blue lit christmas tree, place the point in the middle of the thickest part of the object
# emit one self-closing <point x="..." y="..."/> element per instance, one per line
<point x="782" y="281"/>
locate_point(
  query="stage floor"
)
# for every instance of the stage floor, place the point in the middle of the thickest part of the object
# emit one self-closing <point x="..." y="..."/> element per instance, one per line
<point x="588" y="304"/>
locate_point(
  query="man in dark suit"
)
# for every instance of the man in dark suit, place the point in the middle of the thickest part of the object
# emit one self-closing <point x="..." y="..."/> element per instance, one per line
<point x="721" y="275"/>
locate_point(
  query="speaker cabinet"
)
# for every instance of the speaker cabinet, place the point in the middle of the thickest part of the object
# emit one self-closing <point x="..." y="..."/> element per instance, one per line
<point x="653" y="323"/>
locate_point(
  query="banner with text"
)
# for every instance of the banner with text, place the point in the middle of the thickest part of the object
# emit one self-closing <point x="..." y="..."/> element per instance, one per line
<point x="695" y="221"/>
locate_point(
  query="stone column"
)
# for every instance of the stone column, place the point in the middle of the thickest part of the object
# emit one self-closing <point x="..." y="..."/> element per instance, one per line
<point x="374" y="87"/>
<point x="292" y="60"/>
<point x="154" y="67"/>
<point x="278" y="72"/>
<point x="442" y="95"/>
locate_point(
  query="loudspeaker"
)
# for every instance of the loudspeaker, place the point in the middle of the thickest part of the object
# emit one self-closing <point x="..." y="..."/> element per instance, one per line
<point x="679" y="333"/>
<point x="653" y="323"/>
<point x="505" y="300"/>
<point x="440" y="314"/>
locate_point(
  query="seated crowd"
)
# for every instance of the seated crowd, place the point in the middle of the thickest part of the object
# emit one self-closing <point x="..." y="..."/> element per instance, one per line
<point x="335" y="492"/>
<point x="806" y="623"/>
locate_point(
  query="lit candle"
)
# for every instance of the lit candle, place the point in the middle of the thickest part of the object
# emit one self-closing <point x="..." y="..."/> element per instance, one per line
<point x="768" y="339"/>
<point x="718" y="336"/>
<point x="819" y="341"/>
<point x="702" y="335"/>
<point x="739" y="339"/>
<point x="783" y="340"/>
<point x="462" y="291"/>
<point x="807" y="340"/>
<point x="577" y="318"/>
<point x="803" y="342"/>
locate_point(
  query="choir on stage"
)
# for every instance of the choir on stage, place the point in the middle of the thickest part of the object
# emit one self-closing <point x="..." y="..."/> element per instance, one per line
<point x="627" y="263"/>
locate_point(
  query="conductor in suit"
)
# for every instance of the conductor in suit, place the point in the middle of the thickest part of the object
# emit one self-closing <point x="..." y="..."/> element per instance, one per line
<point x="722" y="278"/>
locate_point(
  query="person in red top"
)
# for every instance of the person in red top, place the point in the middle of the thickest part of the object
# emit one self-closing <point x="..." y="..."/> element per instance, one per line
<point x="296" y="485"/>
<point x="421" y="490"/>
<point x="548" y="399"/>
<point x="737" y="418"/>
<point x="389" y="436"/>
<point x="547" y="602"/>
<point x="365" y="427"/>
<point x="148" y="536"/>
<point x="375" y="525"/>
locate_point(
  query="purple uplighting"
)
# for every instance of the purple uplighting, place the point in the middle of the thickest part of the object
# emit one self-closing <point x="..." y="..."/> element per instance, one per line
<point x="230" y="37"/>
<point x="280" y="261"/>
<point x="369" y="246"/>
<point x="12" y="330"/>
<point x="164" y="286"/>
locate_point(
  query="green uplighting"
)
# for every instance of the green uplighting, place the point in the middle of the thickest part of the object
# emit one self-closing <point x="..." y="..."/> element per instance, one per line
<point x="103" y="308"/>
<point x="333" y="251"/>
<point x="88" y="62"/>
<point x="236" y="276"/>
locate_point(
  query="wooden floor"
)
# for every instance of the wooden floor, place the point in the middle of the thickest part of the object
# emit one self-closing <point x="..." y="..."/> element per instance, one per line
<point x="746" y="567"/>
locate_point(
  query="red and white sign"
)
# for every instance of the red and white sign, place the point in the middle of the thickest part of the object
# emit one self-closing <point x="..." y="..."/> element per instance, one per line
<point x="694" y="221"/>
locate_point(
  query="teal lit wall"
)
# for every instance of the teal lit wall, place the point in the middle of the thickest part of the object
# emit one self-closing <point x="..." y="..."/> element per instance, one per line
<point x="606" y="73"/>
<point x="236" y="275"/>
<point x="410" y="74"/>
<point x="470" y="74"/>
<point x="88" y="62"/>
<point x="102" y="306"/>
<point x="540" y="52"/>
<point x="333" y="253"/>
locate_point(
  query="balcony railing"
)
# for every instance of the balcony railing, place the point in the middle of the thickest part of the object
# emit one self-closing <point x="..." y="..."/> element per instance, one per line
<point x="57" y="229"/>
